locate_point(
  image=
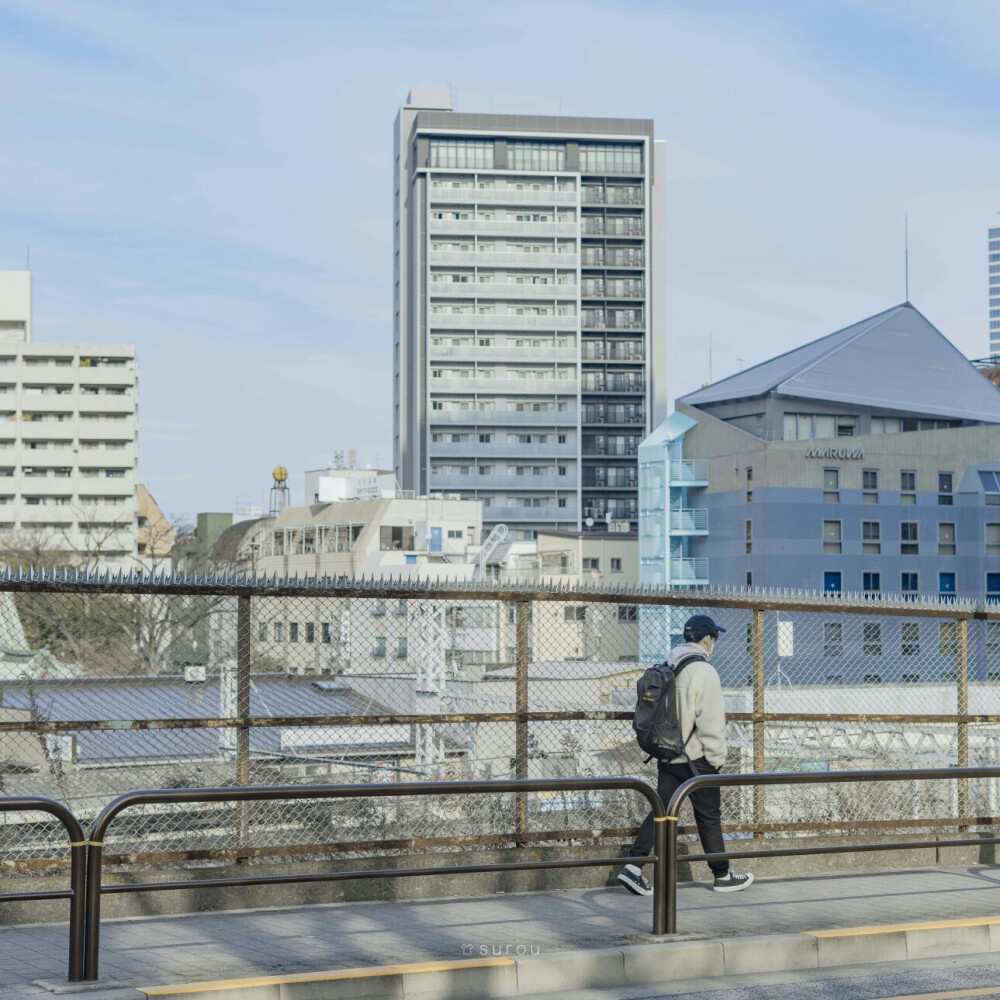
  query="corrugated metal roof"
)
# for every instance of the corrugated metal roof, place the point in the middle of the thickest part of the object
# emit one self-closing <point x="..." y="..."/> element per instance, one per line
<point x="897" y="361"/>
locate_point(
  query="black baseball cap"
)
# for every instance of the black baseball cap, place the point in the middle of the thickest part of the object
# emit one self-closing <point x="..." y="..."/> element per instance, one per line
<point x="698" y="626"/>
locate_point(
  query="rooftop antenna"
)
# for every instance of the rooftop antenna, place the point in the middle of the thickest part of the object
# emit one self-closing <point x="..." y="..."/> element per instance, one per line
<point x="906" y="254"/>
<point x="709" y="359"/>
<point x="742" y="361"/>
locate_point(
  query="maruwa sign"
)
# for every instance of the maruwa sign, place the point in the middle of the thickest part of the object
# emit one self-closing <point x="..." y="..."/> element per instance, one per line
<point x="845" y="453"/>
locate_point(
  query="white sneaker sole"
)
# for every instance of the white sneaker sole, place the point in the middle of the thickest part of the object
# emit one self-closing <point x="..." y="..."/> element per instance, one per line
<point x="735" y="888"/>
<point x="632" y="887"/>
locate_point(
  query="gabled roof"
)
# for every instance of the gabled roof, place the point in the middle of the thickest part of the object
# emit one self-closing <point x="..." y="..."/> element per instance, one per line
<point x="896" y="361"/>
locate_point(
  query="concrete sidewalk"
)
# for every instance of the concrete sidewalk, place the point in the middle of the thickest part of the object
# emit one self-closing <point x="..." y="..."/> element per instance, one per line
<point x="541" y="926"/>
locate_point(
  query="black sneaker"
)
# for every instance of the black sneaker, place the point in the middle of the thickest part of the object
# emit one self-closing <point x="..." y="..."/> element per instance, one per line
<point x="731" y="882"/>
<point x="633" y="880"/>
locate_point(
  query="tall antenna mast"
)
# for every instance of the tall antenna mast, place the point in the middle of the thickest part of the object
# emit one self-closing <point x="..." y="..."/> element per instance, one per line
<point x="906" y="255"/>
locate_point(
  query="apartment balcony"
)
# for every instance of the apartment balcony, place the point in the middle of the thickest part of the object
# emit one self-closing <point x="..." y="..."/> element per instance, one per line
<point x="518" y="386"/>
<point x="505" y="418"/>
<point x="611" y="451"/>
<point x="692" y="572"/>
<point x="474" y="481"/>
<point x="502" y="258"/>
<point x="593" y="292"/>
<point x="523" y="355"/>
<point x="612" y="355"/>
<point x="615" y="418"/>
<point x="97" y="404"/>
<point x="474" y="449"/>
<point x="512" y="515"/>
<point x="599" y="196"/>
<point x="611" y="484"/>
<point x="619" y="387"/>
<point x="505" y="289"/>
<point x="592" y="322"/>
<point x="689" y="472"/>
<point x="597" y="227"/>
<point x="499" y="196"/>
<point x="500" y="321"/>
<point x="503" y="227"/>
<point x="689" y="521"/>
<point x="610" y="259"/>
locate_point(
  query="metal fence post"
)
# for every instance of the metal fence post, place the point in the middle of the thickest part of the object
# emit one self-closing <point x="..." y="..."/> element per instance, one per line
<point x="243" y="713"/>
<point x="962" y="710"/>
<point x="522" y="642"/>
<point x="757" y="645"/>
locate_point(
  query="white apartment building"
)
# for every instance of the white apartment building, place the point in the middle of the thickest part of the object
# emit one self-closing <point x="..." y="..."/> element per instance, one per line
<point x="68" y="440"/>
<point x="529" y="330"/>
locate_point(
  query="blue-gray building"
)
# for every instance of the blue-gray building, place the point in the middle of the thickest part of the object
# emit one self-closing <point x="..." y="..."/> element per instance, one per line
<point x="867" y="460"/>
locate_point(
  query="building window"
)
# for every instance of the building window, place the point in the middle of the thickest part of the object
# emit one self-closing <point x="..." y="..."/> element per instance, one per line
<point x="993" y="588"/>
<point x="869" y="484"/>
<point x="628" y="613"/>
<point x="591" y="565"/>
<point x="946" y="539"/>
<point x="396" y="539"/>
<point x="831" y="485"/>
<point x="262" y="632"/>
<point x="749" y="484"/>
<point x="909" y="678"/>
<point x="945" y="480"/>
<point x="871" y="639"/>
<point x="462" y="153"/>
<point x="993" y="539"/>
<point x="909" y="584"/>
<point x="293" y="631"/>
<point x="401" y="649"/>
<point x="872" y="583"/>
<point x="325" y="630"/>
<point x="908" y="487"/>
<point x="610" y="158"/>
<point x="536" y="155"/>
<point x="749" y="582"/>
<point x="872" y="679"/>
<point x="948" y="638"/>
<point x="833" y="644"/>
<point x="831" y="582"/>
<point x="279" y="632"/>
<point x="379" y="651"/>
<point x="575" y="613"/>
<point x="991" y="487"/>
<point x="616" y="564"/>
<point x="946" y="585"/>
<point x="871" y="538"/>
<point x="834" y="679"/>
<point x="831" y="538"/>
<point x="910" y="635"/>
<point x="908" y="542"/>
<point x="749" y="537"/>
<point x="310" y="632"/>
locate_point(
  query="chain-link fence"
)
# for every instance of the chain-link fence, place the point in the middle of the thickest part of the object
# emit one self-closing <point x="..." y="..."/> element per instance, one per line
<point x="113" y="685"/>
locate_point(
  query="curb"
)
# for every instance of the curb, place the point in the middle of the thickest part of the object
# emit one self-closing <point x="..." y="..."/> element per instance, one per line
<point x="669" y="961"/>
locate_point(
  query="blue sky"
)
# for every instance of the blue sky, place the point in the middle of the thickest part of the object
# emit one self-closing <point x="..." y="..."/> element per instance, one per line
<point x="211" y="181"/>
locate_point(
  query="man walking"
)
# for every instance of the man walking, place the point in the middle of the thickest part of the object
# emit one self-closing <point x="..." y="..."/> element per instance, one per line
<point x="702" y="718"/>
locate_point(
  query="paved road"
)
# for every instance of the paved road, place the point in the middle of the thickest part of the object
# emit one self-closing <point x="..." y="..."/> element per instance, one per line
<point x="164" y="950"/>
<point x="962" y="978"/>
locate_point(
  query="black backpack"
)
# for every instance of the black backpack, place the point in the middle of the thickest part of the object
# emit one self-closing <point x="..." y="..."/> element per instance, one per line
<point x="655" y="722"/>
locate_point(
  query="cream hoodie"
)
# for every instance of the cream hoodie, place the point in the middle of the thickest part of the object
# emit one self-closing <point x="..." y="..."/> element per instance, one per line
<point x="700" y="706"/>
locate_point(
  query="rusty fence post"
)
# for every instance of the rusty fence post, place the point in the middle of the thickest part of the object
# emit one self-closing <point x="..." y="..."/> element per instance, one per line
<point x="243" y="649"/>
<point x="757" y="649"/>
<point x="522" y="643"/>
<point x="962" y="711"/>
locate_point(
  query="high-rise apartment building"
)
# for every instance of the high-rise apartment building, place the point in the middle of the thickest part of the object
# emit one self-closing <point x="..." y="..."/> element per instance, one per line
<point x="68" y="440"/>
<point x="529" y="331"/>
<point x="993" y="261"/>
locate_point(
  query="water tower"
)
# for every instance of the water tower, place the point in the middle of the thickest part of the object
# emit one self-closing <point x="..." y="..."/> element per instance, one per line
<point x="279" y="490"/>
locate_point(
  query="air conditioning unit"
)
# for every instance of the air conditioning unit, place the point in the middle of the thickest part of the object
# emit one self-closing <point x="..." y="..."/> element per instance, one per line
<point x="618" y="526"/>
<point x="194" y="673"/>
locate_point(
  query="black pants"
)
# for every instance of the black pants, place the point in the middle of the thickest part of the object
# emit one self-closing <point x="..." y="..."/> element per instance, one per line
<point x="707" y="805"/>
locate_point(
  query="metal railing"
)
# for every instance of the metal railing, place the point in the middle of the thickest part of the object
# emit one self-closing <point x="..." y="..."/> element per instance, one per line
<point x="95" y="888"/>
<point x="77" y="879"/>
<point x="759" y="781"/>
